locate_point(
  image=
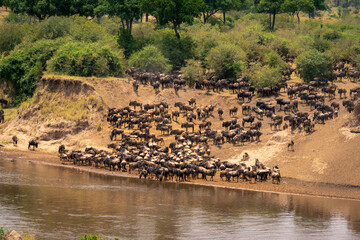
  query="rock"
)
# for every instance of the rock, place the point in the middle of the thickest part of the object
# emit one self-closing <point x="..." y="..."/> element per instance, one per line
<point x="13" y="236"/>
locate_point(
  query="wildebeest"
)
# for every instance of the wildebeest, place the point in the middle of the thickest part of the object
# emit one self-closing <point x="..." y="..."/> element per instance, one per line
<point x="15" y="140"/>
<point x="61" y="148"/>
<point x="249" y="119"/>
<point x="291" y="145"/>
<point x="115" y="132"/>
<point x="2" y="116"/>
<point x="3" y="102"/>
<point x="34" y="144"/>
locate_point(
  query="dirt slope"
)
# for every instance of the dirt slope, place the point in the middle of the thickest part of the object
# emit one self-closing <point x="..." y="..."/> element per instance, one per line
<point x="330" y="155"/>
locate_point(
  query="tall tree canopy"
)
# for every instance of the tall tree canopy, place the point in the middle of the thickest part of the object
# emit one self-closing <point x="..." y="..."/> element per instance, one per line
<point x="177" y="12"/>
<point x="297" y="6"/>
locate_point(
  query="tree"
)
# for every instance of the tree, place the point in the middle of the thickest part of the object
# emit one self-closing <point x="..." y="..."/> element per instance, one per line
<point x="314" y="64"/>
<point x="214" y="6"/>
<point x="150" y="59"/>
<point x="272" y="7"/>
<point x="45" y="8"/>
<point x="227" y="60"/>
<point x="297" y="6"/>
<point x="177" y="12"/>
<point x="127" y="10"/>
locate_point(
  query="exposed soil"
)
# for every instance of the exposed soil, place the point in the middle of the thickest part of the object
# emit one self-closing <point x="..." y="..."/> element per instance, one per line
<point x="324" y="163"/>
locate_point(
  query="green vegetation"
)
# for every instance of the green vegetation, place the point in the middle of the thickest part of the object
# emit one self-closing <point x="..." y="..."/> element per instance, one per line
<point x="85" y="59"/>
<point x="231" y="38"/>
<point x="93" y="237"/>
<point x="227" y="60"/>
<point x="313" y="64"/>
<point x="150" y="59"/>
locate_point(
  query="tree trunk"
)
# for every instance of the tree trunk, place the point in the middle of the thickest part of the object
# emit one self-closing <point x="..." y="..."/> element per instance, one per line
<point x="146" y="17"/>
<point x="269" y="20"/>
<point x="224" y="15"/>
<point x="297" y="14"/>
<point x="130" y="26"/>
<point x="122" y="22"/>
<point x="176" y="31"/>
<point x="273" y="22"/>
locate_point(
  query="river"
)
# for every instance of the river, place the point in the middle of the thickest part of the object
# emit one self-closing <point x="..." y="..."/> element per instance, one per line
<point x="59" y="203"/>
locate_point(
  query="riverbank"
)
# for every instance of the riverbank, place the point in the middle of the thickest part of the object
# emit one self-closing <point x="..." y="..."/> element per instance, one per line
<point x="287" y="186"/>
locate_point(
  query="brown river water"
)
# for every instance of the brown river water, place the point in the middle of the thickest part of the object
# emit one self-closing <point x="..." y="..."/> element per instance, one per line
<point x="59" y="203"/>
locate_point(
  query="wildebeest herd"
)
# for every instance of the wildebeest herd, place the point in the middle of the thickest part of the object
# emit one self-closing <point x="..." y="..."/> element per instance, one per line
<point x="140" y="131"/>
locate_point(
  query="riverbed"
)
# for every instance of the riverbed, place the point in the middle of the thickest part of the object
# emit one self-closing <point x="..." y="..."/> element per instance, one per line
<point x="60" y="203"/>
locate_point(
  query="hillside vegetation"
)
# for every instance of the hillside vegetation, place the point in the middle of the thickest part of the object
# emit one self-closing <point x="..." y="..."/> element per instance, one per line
<point x="233" y="39"/>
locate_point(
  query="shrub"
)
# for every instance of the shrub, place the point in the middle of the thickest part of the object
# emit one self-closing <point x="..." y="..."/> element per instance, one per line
<point x="85" y="30"/>
<point x="11" y="35"/>
<point x="192" y="71"/>
<point x="264" y="76"/>
<point x="226" y="60"/>
<point x="24" y="66"/>
<point x="331" y="35"/>
<point x="53" y="27"/>
<point x="314" y="64"/>
<point x="127" y="42"/>
<point x="274" y="61"/>
<point x="321" y="44"/>
<point x="85" y="59"/>
<point x="150" y="59"/>
<point x="92" y="237"/>
<point x="174" y="49"/>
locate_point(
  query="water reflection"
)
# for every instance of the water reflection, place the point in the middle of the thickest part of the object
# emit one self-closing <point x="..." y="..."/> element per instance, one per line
<point x="58" y="203"/>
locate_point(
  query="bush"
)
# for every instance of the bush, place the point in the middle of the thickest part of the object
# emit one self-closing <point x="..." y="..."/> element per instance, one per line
<point x="85" y="59"/>
<point x="174" y="49"/>
<point x="11" y="35"/>
<point x="264" y="76"/>
<point x="53" y="27"/>
<point x="127" y="42"/>
<point x="192" y="72"/>
<point x="150" y="59"/>
<point x="314" y="64"/>
<point x="24" y="66"/>
<point x="85" y="30"/>
<point x="92" y="237"/>
<point x="274" y="61"/>
<point x="226" y="60"/>
<point x="321" y="44"/>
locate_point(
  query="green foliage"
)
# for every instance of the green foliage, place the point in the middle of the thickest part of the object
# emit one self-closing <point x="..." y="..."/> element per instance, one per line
<point x="24" y="66"/>
<point x="85" y="30"/>
<point x="321" y="44"/>
<point x="174" y="49"/>
<point x="273" y="60"/>
<point x="52" y="28"/>
<point x="92" y="237"/>
<point x="331" y="35"/>
<point x="314" y="64"/>
<point x="127" y="42"/>
<point x="150" y="59"/>
<point x="260" y="76"/>
<point x="177" y="12"/>
<point x="11" y="35"/>
<point x="85" y="59"/>
<point x="192" y="71"/>
<point x="226" y="60"/>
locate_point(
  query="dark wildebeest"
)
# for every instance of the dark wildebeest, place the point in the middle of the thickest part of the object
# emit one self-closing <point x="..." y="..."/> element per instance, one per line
<point x="220" y="112"/>
<point x="2" y="116"/>
<point x="115" y="132"/>
<point x="249" y="119"/>
<point x="291" y="145"/>
<point x="3" y="102"/>
<point x="62" y="148"/>
<point x="34" y="144"/>
<point x="15" y="140"/>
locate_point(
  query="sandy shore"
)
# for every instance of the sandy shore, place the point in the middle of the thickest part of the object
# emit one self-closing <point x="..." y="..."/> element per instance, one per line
<point x="287" y="186"/>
